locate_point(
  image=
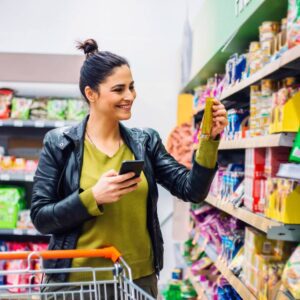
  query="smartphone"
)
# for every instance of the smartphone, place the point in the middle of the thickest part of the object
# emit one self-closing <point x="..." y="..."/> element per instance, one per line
<point x="135" y="166"/>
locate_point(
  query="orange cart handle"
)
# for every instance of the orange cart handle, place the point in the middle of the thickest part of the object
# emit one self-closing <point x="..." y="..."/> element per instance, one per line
<point x="109" y="253"/>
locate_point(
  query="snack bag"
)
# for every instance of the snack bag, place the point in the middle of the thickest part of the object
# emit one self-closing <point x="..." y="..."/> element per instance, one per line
<point x="291" y="274"/>
<point x="5" y="102"/>
<point x="77" y="109"/>
<point x="38" y="109"/>
<point x="20" y="108"/>
<point x="12" y="200"/>
<point x="57" y="109"/>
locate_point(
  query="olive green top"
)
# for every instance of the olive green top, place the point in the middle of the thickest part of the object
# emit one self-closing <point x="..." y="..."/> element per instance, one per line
<point x="122" y="224"/>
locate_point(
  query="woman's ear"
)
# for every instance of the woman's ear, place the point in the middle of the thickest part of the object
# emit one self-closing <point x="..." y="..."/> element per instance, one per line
<point x="90" y="94"/>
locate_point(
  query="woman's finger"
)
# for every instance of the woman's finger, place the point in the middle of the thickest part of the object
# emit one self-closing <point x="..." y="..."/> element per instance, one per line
<point x="127" y="190"/>
<point x="220" y="112"/>
<point x="128" y="183"/>
<point x="218" y="107"/>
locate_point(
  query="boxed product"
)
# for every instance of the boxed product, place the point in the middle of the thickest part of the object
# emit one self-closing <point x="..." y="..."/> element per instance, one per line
<point x="255" y="194"/>
<point x="12" y="200"/>
<point x="255" y="162"/>
<point x="291" y="274"/>
<point x="274" y="157"/>
<point x="295" y="153"/>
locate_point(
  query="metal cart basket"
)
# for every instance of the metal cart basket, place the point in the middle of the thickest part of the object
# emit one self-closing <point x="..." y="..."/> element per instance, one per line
<point x="33" y="285"/>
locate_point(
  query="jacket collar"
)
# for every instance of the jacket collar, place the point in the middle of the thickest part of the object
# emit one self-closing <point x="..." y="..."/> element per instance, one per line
<point x="132" y="140"/>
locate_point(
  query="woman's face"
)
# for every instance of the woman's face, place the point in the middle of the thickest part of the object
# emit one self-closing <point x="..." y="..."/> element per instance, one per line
<point x="115" y="95"/>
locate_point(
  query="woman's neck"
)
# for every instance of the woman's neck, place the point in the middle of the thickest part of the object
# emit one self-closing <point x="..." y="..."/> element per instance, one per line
<point x="103" y="129"/>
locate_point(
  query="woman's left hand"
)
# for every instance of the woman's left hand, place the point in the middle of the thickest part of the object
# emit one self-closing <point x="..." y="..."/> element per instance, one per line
<point x="220" y="120"/>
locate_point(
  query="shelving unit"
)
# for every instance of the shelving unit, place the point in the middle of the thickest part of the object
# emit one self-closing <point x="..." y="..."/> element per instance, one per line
<point x="272" y="140"/>
<point x="237" y="284"/>
<point x="36" y="123"/>
<point x="9" y="176"/>
<point x="21" y="232"/>
<point x="197" y="286"/>
<point x="289" y="60"/>
<point x="258" y="221"/>
<point x="273" y="229"/>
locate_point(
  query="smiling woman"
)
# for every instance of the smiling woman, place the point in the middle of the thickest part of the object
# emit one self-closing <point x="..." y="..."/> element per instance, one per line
<point x="80" y="198"/>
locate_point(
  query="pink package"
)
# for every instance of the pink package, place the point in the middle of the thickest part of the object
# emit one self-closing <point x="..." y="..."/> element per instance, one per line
<point x="13" y="265"/>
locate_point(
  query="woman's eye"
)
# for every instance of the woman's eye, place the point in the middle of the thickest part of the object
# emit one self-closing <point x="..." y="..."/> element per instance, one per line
<point x="131" y="88"/>
<point x="118" y="90"/>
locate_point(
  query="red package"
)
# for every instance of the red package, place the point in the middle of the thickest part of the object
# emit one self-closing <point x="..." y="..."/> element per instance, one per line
<point x="6" y="96"/>
<point x="13" y="265"/>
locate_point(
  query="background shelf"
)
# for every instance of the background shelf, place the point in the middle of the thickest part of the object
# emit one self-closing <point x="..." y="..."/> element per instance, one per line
<point x="273" y="140"/>
<point x="35" y="123"/>
<point x="197" y="286"/>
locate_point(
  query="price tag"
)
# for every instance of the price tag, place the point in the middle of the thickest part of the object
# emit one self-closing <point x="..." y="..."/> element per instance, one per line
<point x="28" y="177"/>
<point x="18" y="231"/>
<point x="5" y="177"/>
<point x="59" y="124"/>
<point x="1" y="123"/>
<point x="18" y="123"/>
<point x="39" y="124"/>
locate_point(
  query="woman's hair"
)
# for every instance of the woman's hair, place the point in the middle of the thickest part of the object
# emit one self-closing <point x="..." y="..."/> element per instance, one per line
<point x="97" y="66"/>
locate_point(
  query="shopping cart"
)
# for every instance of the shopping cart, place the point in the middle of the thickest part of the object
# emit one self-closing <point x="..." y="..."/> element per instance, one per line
<point x="34" y="286"/>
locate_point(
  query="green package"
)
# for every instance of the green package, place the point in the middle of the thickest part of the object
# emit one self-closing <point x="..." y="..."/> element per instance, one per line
<point x="57" y="109"/>
<point x="295" y="153"/>
<point x="77" y="109"/>
<point x="20" y="108"/>
<point x="12" y="200"/>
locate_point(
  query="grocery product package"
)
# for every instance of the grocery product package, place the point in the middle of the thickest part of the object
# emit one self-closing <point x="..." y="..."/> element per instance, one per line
<point x="57" y="109"/>
<point x="293" y="24"/>
<point x="6" y="96"/>
<point x="77" y="109"/>
<point x="295" y="153"/>
<point x="38" y="109"/>
<point x="291" y="274"/>
<point x="20" y="108"/>
<point x="12" y="200"/>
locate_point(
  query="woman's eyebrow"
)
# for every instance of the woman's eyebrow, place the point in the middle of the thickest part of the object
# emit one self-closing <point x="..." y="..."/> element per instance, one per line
<point x="121" y="85"/>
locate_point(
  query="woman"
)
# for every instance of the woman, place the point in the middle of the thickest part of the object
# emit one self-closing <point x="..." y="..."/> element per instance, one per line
<point x="78" y="196"/>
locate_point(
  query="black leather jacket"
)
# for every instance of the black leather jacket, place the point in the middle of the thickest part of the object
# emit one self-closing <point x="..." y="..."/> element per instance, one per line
<point x="56" y="208"/>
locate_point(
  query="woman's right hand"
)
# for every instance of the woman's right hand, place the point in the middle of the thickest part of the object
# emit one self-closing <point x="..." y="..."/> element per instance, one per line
<point x="111" y="186"/>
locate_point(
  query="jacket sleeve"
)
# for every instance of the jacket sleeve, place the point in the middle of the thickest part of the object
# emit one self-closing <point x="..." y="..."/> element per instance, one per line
<point x="49" y="214"/>
<point x="189" y="185"/>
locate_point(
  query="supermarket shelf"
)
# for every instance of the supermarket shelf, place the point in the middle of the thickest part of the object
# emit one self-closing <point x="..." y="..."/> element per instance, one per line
<point x="21" y="232"/>
<point x="272" y="140"/>
<point x="35" y="123"/>
<point x="236" y="283"/>
<point x="275" y="230"/>
<point x="9" y="176"/>
<point x="197" y="286"/>
<point x="285" y="61"/>
<point x="255" y="220"/>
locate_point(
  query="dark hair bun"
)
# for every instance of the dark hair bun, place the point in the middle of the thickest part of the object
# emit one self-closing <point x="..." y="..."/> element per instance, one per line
<point x="89" y="47"/>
